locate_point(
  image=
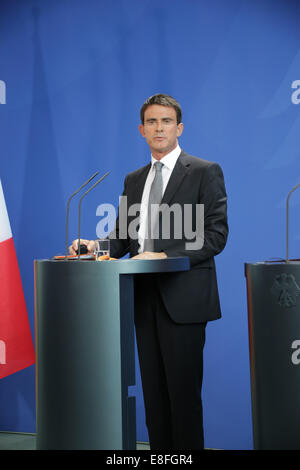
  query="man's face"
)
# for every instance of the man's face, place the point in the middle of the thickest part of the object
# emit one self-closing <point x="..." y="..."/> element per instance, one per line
<point x="160" y="129"/>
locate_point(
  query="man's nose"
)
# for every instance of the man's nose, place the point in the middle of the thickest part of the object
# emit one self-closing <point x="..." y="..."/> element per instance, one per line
<point x="159" y="126"/>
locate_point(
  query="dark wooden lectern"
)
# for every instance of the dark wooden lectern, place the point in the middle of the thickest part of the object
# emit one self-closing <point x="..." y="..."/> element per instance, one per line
<point x="274" y="338"/>
<point x="85" y="351"/>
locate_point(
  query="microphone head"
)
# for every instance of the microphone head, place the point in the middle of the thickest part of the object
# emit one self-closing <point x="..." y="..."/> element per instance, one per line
<point x="83" y="250"/>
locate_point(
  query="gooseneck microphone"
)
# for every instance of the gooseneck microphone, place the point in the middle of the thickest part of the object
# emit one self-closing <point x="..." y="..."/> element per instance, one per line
<point x="287" y="221"/>
<point x="79" y="208"/>
<point x="68" y="208"/>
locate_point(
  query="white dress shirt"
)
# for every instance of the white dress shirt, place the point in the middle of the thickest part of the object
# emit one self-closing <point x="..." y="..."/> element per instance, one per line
<point x="169" y="162"/>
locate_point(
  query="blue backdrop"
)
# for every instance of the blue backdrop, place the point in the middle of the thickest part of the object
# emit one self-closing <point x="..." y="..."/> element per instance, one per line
<point x="76" y="75"/>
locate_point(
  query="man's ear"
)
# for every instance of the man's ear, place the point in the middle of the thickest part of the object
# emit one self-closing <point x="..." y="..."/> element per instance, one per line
<point x="179" y="129"/>
<point x="141" y="129"/>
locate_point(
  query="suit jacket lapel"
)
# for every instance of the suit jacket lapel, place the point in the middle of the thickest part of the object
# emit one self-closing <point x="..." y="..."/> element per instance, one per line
<point x="137" y="194"/>
<point x="140" y="183"/>
<point x="178" y="174"/>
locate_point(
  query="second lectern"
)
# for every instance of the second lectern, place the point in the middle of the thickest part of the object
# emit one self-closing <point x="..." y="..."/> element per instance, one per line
<point x="274" y="337"/>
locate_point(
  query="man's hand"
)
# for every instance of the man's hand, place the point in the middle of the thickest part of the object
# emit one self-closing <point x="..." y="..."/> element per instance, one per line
<point x="150" y="255"/>
<point x="90" y="244"/>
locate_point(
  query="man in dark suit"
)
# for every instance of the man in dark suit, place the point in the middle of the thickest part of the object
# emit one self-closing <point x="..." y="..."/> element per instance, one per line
<point x="172" y="310"/>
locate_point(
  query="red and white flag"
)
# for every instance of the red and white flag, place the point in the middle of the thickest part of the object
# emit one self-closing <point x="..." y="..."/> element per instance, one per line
<point x="16" y="346"/>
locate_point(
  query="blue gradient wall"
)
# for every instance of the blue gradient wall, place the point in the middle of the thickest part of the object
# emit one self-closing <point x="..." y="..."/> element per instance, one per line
<point x="76" y="75"/>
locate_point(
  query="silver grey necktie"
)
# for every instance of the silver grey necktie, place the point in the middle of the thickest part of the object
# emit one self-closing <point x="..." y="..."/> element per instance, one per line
<point x="155" y="197"/>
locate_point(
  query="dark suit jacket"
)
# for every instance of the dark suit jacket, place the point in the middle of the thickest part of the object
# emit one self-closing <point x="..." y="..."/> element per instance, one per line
<point x="190" y="296"/>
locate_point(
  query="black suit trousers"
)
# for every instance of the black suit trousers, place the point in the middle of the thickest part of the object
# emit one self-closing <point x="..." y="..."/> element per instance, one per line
<point x="171" y="364"/>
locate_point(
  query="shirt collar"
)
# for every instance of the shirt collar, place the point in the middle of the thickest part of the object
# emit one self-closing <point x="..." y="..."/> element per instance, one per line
<point x="170" y="159"/>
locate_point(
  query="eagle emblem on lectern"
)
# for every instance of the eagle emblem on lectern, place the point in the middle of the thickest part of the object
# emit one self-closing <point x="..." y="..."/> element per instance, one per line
<point x="285" y="289"/>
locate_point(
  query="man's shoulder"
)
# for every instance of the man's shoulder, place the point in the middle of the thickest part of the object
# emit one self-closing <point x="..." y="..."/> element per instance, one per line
<point x="198" y="165"/>
<point x="196" y="162"/>
<point x="137" y="173"/>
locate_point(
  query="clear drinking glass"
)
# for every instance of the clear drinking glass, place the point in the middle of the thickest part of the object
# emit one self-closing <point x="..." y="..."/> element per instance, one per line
<point x="102" y="248"/>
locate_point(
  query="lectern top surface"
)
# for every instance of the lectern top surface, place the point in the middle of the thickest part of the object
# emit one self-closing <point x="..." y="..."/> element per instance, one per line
<point x="125" y="266"/>
<point x="275" y="262"/>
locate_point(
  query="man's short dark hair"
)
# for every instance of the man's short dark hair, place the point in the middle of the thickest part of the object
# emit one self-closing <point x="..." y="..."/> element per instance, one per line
<point x="162" y="100"/>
